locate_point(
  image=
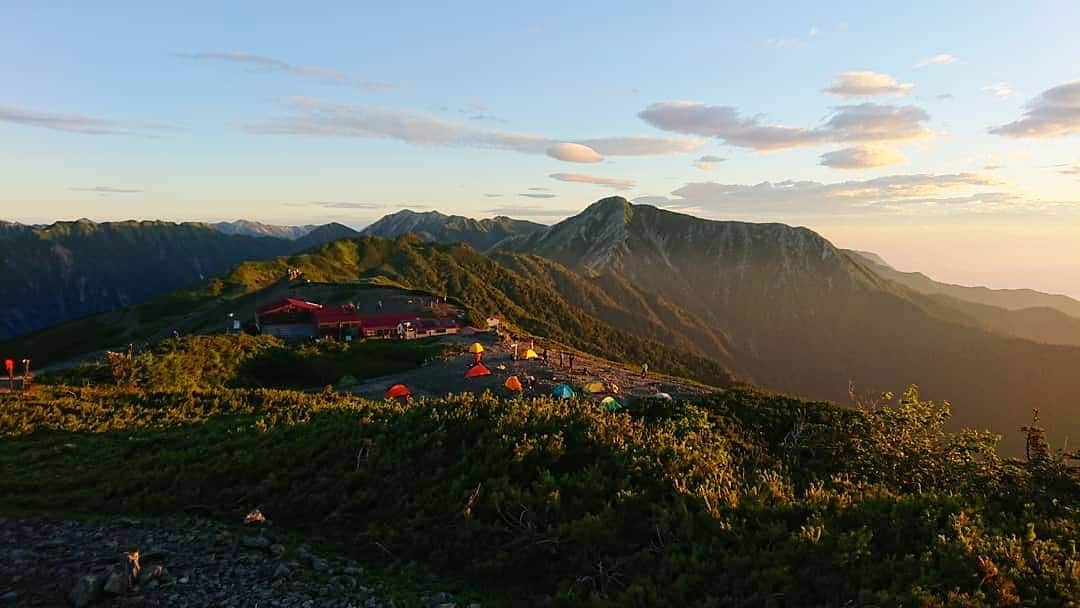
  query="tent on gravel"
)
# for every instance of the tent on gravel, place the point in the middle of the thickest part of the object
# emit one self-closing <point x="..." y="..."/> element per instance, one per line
<point x="478" y="370"/>
<point x="531" y="354"/>
<point x="476" y="348"/>
<point x="594" y="387"/>
<point x="398" y="391"/>
<point x="513" y="384"/>
<point x="563" y="391"/>
<point x="610" y="404"/>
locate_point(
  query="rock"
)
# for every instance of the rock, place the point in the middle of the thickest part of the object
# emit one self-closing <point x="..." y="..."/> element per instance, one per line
<point x="282" y="571"/>
<point x="87" y="590"/>
<point x="434" y="601"/>
<point x="117" y="583"/>
<point x="149" y="574"/>
<point x="352" y="571"/>
<point x="256" y="542"/>
<point x="319" y="564"/>
<point x="9" y="598"/>
<point x="277" y="550"/>
<point x="183" y="580"/>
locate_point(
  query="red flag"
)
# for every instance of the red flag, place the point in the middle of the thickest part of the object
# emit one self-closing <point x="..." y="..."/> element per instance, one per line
<point x="9" y="365"/>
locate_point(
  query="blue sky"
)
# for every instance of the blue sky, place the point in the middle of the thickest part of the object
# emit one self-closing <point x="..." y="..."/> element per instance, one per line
<point x="297" y="113"/>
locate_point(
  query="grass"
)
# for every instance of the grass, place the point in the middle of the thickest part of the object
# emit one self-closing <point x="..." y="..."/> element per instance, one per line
<point x="743" y="497"/>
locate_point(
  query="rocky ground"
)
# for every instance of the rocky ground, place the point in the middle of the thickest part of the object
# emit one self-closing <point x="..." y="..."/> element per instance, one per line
<point x="438" y="378"/>
<point x="176" y="562"/>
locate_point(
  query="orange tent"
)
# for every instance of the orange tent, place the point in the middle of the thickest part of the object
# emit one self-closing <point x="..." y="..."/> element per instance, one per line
<point x="512" y="383"/>
<point x="478" y="370"/>
<point x="398" y="391"/>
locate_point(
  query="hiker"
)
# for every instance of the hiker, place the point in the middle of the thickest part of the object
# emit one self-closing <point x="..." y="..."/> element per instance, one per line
<point x="380" y="304"/>
<point x="515" y="347"/>
<point x="545" y="356"/>
<point x="562" y="363"/>
<point x="644" y="369"/>
<point x="571" y="361"/>
<point x="477" y="357"/>
<point x="530" y="381"/>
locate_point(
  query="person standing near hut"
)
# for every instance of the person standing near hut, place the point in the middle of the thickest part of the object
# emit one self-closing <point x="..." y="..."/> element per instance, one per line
<point x="644" y="369"/>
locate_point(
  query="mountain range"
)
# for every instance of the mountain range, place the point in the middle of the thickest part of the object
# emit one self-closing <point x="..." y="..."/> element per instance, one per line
<point x="768" y="304"/>
<point x="482" y="234"/>
<point x="50" y="274"/>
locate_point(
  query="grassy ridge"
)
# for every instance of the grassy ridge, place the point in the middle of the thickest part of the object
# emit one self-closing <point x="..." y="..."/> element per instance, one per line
<point x="739" y="499"/>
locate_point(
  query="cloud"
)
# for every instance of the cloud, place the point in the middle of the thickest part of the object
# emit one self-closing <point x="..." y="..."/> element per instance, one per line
<point x="865" y="156"/>
<point x="708" y="162"/>
<point x="574" y="153"/>
<point x="315" y="118"/>
<point x="276" y="65"/>
<point x="536" y="195"/>
<point x="866" y="84"/>
<point x="725" y="123"/>
<point x="492" y="195"/>
<point x="912" y="194"/>
<point x="344" y="205"/>
<point x="70" y="123"/>
<point x="581" y="178"/>
<point x="940" y="59"/>
<point x="999" y="89"/>
<point x="540" y="189"/>
<point x="530" y="211"/>
<point x="944" y="96"/>
<point x="107" y="190"/>
<point x="1072" y="168"/>
<point x="1054" y="113"/>
<point x="866" y="122"/>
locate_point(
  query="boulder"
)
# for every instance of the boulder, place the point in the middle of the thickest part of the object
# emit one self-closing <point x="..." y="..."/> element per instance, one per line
<point x="87" y="590"/>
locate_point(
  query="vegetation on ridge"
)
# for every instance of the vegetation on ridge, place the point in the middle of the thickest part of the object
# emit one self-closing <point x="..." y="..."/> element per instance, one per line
<point x="738" y="499"/>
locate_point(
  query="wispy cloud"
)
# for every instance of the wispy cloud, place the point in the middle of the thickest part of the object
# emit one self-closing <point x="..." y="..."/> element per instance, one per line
<point x="866" y="84"/>
<point x="793" y="41"/>
<point x="107" y="190"/>
<point x="277" y="65"/>
<point x="70" y="123"/>
<point x="344" y="205"/>
<point x="581" y="178"/>
<point x="1054" y="113"/>
<point x="574" y="153"/>
<point x="920" y="194"/>
<point x="866" y="122"/>
<point x="536" y="195"/>
<point x="492" y="195"/>
<point x="530" y="211"/>
<point x="708" y="162"/>
<point x="866" y="156"/>
<point x="999" y="89"/>
<point x="315" y="118"/>
<point x="540" y="189"/>
<point x="940" y="59"/>
<point x="1072" y="168"/>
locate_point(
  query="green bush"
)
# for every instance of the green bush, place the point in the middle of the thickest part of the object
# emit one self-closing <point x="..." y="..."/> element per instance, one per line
<point x="738" y="499"/>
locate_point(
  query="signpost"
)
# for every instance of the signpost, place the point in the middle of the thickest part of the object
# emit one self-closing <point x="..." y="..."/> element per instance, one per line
<point x="9" y="366"/>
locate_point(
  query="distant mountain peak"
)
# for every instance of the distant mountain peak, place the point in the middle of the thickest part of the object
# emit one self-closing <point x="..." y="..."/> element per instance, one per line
<point x="482" y="234"/>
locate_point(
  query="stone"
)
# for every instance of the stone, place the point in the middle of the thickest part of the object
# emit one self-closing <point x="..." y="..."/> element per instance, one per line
<point x="117" y="583"/>
<point x="87" y="590"/>
<point x="149" y="574"/>
<point x="256" y="542"/>
<point x="319" y="564"/>
<point x="282" y="571"/>
<point x="9" y="598"/>
<point x="277" y="550"/>
<point x="255" y="517"/>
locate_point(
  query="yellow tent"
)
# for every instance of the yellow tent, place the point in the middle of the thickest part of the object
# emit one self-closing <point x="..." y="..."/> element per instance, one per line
<point x="476" y="348"/>
<point x="531" y="354"/>
<point x="594" y="387"/>
<point x="512" y="383"/>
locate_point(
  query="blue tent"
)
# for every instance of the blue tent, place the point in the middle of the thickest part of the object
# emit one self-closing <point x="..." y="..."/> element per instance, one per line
<point x="563" y="391"/>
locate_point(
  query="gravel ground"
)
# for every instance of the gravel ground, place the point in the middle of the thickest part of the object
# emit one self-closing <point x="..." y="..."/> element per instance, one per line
<point x="189" y="562"/>
<point x="440" y="378"/>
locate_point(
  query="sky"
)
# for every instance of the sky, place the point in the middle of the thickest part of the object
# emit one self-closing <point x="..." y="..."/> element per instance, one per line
<point x="943" y="136"/>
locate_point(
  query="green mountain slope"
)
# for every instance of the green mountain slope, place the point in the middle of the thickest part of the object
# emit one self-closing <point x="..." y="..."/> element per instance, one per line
<point x="434" y="226"/>
<point x="798" y="315"/>
<point x="72" y="269"/>
<point x="456" y="271"/>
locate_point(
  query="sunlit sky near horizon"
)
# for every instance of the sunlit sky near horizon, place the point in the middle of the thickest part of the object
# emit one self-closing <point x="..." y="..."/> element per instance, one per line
<point x="944" y="136"/>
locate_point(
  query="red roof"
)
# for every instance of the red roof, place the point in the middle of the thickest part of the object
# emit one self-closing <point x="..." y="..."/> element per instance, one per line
<point x="332" y="315"/>
<point x="288" y="305"/>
